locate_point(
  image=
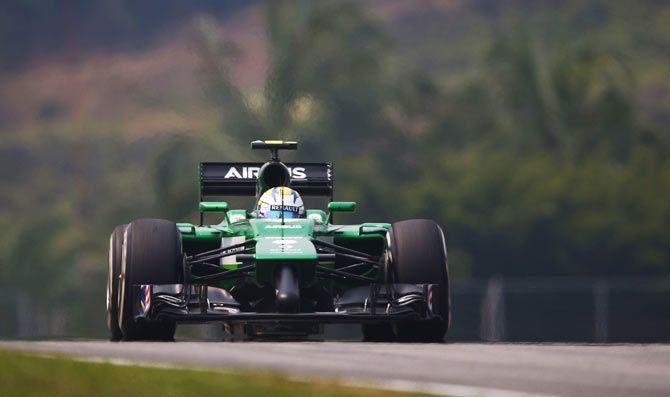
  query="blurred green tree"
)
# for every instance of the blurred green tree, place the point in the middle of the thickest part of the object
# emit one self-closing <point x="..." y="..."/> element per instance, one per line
<point x="536" y="164"/>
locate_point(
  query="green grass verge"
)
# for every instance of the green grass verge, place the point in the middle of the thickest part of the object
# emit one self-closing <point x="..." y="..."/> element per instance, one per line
<point x="22" y="374"/>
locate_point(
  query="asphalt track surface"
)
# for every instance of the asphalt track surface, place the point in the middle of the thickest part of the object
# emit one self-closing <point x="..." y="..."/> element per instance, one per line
<point x="456" y="369"/>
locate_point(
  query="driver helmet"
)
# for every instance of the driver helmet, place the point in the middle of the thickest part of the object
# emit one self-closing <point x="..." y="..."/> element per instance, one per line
<point x="280" y="202"/>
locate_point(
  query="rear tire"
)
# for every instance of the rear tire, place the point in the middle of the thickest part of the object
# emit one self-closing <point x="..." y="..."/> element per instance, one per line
<point x="115" y="253"/>
<point x="152" y="254"/>
<point x="419" y="256"/>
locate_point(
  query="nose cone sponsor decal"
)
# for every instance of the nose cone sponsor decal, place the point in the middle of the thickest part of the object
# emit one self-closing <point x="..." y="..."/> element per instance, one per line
<point x="283" y="227"/>
<point x="279" y="247"/>
<point x="284" y="245"/>
<point x="284" y="242"/>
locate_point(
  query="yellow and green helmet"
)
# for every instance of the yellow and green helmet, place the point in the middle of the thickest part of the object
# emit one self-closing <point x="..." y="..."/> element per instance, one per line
<point x="280" y="202"/>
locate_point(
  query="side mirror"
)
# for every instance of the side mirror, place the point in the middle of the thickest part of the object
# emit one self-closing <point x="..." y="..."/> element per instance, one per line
<point x="342" y="206"/>
<point x="213" y="206"/>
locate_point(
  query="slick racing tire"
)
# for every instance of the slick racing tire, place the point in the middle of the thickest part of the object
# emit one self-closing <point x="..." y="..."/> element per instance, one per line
<point x="115" y="247"/>
<point x="419" y="256"/>
<point x="152" y="254"/>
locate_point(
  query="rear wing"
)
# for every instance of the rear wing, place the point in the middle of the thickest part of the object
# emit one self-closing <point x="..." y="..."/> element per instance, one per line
<point x="239" y="179"/>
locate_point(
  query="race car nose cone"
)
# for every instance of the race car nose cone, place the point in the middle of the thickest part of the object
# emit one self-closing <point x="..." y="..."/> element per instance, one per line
<point x="288" y="294"/>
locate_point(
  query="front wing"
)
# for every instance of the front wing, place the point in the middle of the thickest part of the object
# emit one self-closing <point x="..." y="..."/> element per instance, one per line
<point x="205" y="304"/>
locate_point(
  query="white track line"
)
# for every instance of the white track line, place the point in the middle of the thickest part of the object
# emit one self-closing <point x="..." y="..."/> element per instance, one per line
<point x="441" y="389"/>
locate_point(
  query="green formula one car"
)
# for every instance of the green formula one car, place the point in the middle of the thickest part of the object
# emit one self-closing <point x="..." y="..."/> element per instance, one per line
<point x="279" y="270"/>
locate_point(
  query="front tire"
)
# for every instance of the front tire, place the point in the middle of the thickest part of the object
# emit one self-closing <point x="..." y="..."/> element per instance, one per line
<point x="115" y="253"/>
<point x="152" y="254"/>
<point x="419" y="256"/>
